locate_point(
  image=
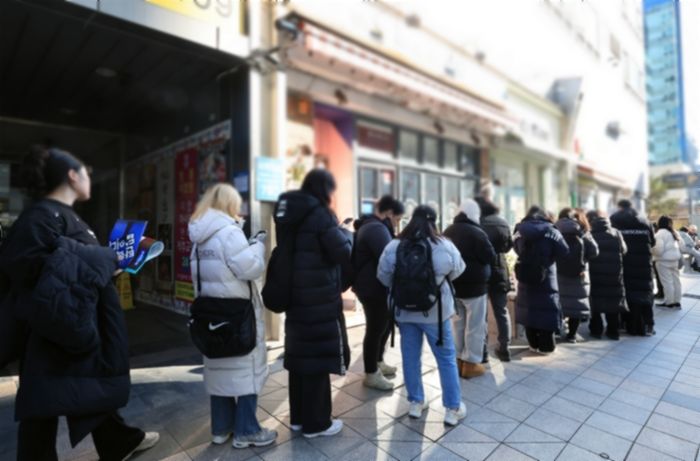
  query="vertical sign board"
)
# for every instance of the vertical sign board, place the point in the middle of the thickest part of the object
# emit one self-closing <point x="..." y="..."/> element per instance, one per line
<point x="186" y="161"/>
<point x="269" y="178"/>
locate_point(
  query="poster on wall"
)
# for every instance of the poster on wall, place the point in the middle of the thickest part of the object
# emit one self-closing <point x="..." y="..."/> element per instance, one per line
<point x="186" y="162"/>
<point x="299" y="157"/>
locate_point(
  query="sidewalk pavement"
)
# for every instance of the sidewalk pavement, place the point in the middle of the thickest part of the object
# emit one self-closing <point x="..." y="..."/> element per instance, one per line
<point x="636" y="399"/>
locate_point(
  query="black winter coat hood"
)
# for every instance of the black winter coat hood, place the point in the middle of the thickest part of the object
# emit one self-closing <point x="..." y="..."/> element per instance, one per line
<point x="478" y="255"/>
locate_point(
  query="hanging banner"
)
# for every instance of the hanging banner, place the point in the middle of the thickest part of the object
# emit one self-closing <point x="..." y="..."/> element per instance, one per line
<point x="186" y="161"/>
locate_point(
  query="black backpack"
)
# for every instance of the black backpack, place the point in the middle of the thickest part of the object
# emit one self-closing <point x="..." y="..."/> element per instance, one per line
<point x="277" y="292"/>
<point x="529" y="269"/>
<point x="414" y="288"/>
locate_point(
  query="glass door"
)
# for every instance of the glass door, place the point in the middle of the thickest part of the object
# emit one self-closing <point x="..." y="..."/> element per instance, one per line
<point x="432" y="196"/>
<point x="375" y="181"/>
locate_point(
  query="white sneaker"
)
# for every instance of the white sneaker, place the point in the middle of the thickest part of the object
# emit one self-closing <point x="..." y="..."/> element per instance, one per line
<point x="452" y="417"/>
<point x="336" y="426"/>
<point x="295" y="427"/>
<point x="415" y="410"/>
<point x="220" y="439"/>
<point x="262" y="438"/>
<point x="387" y="370"/>
<point x="149" y="441"/>
<point x="377" y="380"/>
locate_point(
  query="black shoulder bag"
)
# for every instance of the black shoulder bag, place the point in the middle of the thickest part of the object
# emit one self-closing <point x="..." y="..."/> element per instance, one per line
<point x="222" y="327"/>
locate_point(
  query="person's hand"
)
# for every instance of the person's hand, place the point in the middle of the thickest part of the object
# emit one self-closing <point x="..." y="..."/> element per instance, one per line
<point x="260" y="237"/>
<point x="117" y="273"/>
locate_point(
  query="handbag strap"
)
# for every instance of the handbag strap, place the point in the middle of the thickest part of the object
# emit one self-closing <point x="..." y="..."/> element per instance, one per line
<point x="199" y="276"/>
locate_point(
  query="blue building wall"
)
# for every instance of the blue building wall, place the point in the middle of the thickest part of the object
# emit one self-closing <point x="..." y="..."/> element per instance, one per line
<point x="664" y="83"/>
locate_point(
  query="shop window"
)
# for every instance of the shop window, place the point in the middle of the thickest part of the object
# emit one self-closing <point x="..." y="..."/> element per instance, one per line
<point x="450" y="155"/>
<point x="410" y="192"/>
<point x="468" y="160"/>
<point x="387" y="182"/>
<point x="467" y="189"/>
<point x="369" y="190"/>
<point x="452" y="200"/>
<point x="408" y="145"/>
<point x="433" y="195"/>
<point x="431" y="151"/>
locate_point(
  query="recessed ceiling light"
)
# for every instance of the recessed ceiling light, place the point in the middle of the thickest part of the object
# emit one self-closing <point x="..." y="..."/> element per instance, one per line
<point x="106" y="72"/>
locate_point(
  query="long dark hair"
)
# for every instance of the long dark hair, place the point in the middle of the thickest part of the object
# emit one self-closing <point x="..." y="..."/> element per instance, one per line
<point x="421" y="225"/>
<point x="45" y="169"/>
<point x="321" y="184"/>
<point x="579" y="216"/>
<point x="665" y="222"/>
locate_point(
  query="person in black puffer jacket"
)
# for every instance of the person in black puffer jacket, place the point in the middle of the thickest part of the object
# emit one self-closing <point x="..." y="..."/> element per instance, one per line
<point x="56" y="282"/>
<point x="373" y="233"/>
<point x="316" y="342"/>
<point x="471" y="288"/>
<point x="501" y="239"/>
<point x="572" y="269"/>
<point x="638" y="273"/>
<point x="538" y="244"/>
<point x="607" y="283"/>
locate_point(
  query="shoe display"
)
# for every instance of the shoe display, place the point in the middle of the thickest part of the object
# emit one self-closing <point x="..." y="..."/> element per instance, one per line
<point x="262" y="438"/>
<point x="387" y="370"/>
<point x="471" y="370"/>
<point x="220" y="439"/>
<point x="452" y="416"/>
<point x="336" y="426"/>
<point x="377" y="381"/>
<point x="415" y="409"/>
<point x="149" y="441"/>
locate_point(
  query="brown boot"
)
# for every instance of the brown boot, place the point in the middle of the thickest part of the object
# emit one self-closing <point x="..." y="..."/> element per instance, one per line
<point x="471" y="370"/>
<point x="460" y="362"/>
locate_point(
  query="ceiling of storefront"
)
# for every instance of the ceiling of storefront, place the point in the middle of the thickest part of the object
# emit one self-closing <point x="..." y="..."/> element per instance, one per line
<point x="64" y="65"/>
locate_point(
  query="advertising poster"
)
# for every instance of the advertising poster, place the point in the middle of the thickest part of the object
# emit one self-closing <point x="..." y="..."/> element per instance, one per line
<point x="186" y="194"/>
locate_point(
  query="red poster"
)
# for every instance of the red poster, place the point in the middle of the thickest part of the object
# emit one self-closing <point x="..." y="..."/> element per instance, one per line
<point x="186" y="194"/>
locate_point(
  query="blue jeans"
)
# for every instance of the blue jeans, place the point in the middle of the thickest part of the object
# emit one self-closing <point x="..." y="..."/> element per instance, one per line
<point x="411" y="350"/>
<point x="234" y="414"/>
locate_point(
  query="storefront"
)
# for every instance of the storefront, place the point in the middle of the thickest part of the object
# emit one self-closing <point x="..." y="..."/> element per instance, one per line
<point x="152" y="94"/>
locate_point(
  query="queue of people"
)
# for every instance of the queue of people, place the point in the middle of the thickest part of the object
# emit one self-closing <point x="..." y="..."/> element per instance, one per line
<point x="430" y="285"/>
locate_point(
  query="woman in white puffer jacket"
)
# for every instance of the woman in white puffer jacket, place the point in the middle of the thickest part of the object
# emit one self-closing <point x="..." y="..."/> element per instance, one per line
<point x="666" y="254"/>
<point x="228" y="262"/>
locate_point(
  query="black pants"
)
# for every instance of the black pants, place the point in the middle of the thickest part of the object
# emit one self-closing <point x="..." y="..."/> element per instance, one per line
<point x="36" y="439"/>
<point x="377" y="329"/>
<point x="543" y="340"/>
<point x="639" y="318"/>
<point x="612" y="329"/>
<point x="310" y="402"/>
<point x="573" y="327"/>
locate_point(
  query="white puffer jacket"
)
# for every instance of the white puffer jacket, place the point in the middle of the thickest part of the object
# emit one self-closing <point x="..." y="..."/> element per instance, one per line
<point x="227" y="263"/>
<point x="667" y="248"/>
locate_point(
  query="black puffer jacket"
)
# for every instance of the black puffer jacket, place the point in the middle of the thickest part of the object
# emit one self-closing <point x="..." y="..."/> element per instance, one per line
<point x="572" y="273"/>
<point x="638" y="273"/>
<point x="478" y="254"/>
<point x="371" y="236"/>
<point x="607" y="284"/>
<point x="501" y="239"/>
<point x="316" y="340"/>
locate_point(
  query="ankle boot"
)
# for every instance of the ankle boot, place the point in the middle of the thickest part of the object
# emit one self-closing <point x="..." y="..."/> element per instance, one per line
<point x="471" y="370"/>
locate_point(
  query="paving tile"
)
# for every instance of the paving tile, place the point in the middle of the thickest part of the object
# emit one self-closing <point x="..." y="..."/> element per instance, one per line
<point x="683" y="400"/>
<point x="582" y="397"/>
<point x="691" y="390"/>
<point x="504" y="452"/>
<point x="574" y="453"/>
<point x="667" y="444"/>
<point x="343" y="402"/>
<point x="400" y="433"/>
<point x="540" y="451"/>
<point x="553" y="424"/>
<point x="643" y="389"/>
<point x="568" y="408"/>
<point x="674" y="427"/>
<point x="655" y="371"/>
<point x="298" y="448"/>
<point x="369" y="427"/>
<point x="527" y="434"/>
<point x="604" y="444"/>
<point x="497" y="431"/>
<point x="471" y="451"/>
<point x="438" y="453"/>
<point x="528" y="394"/>
<point x="560" y="376"/>
<point x="632" y="398"/>
<point x="211" y="452"/>
<point x="625" y="411"/>
<point x="167" y="446"/>
<point x="651" y="380"/>
<point x="403" y="451"/>
<point x="514" y="408"/>
<point x="462" y="434"/>
<point x="477" y="393"/>
<point x="614" y="425"/>
<point x="485" y="415"/>
<point x="593" y="386"/>
<point x="367" y="452"/>
<point x="544" y="384"/>
<point x="336" y="446"/>
<point x="642" y="453"/>
<point x="602" y="377"/>
<point x="677" y="412"/>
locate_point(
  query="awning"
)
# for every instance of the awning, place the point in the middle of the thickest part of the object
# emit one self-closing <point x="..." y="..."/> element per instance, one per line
<point x="340" y="59"/>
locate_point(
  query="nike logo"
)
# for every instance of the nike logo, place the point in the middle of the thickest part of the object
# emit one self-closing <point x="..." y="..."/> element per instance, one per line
<point x="213" y="327"/>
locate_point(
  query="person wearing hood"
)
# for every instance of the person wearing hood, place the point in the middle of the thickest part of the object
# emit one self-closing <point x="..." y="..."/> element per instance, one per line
<point x="667" y="253"/>
<point x="606" y="273"/>
<point x="372" y="233"/>
<point x="228" y="266"/>
<point x="638" y="272"/>
<point x="538" y="245"/>
<point x="687" y="246"/>
<point x="572" y="269"/>
<point x="62" y="318"/>
<point x="315" y="342"/>
<point x="471" y="288"/>
<point x="499" y="285"/>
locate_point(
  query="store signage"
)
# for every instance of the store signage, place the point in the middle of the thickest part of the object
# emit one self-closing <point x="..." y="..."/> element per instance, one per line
<point x="205" y="10"/>
<point x="682" y="180"/>
<point x="373" y="138"/>
<point x="269" y="178"/>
